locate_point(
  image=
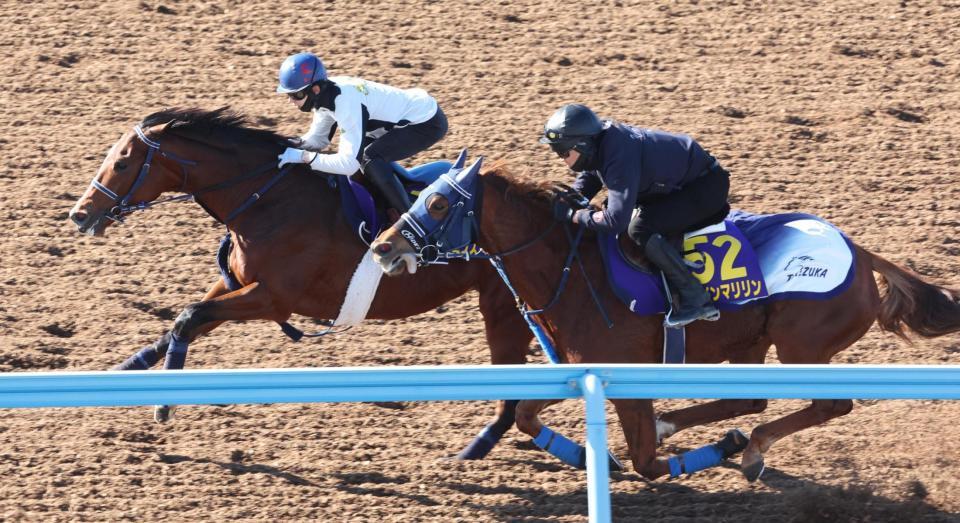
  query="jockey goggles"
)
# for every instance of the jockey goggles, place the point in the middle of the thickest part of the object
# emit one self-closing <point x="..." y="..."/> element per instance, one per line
<point x="562" y="149"/>
<point x="299" y="95"/>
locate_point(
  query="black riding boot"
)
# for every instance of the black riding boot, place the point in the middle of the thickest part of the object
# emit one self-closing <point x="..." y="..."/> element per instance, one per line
<point x="381" y="174"/>
<point x="695" y="303"/>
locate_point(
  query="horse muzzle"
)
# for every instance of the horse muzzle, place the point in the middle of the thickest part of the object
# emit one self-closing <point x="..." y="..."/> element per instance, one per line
<point x="91" y="224"/>
<point x="392" y="260"/>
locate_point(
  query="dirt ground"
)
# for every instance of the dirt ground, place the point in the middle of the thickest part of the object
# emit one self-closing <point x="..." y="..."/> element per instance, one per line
<point x="846" y="109"/>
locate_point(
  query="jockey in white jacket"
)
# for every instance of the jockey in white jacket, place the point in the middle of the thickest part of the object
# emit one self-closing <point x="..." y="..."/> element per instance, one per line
<point x="378" y="124"/>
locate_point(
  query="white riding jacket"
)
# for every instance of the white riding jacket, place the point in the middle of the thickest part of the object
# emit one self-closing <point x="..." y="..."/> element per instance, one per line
<point x="363" y="108"/>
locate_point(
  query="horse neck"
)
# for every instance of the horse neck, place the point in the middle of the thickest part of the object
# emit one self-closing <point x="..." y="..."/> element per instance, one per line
<point x="220" y="166"/>
<point x="510" y="219"/>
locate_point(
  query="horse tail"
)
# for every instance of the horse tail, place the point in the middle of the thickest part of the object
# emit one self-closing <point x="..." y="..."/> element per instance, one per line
<point x="907" y="301"/>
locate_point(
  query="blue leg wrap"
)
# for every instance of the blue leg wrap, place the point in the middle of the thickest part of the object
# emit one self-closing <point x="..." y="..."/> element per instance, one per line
<point x="143" y="360"/>
<point x="699" y="459"/>
<point x="491" y="434"/>
<point x="483" y="443"/>
<point x="567" y="451"/>
<point x="176" y="354"/>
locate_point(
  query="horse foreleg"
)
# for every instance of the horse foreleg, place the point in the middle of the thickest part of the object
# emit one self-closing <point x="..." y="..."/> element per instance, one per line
<point x="528" y="421"/>
<point x="151" y="354"/>
<point x="637" y="422"/>
<point x="509" y="340"/>
<point x="249" y="303"/>
<point x="764" y="436"/>
<point x="252" y="302"/>
<point x="674" y="421"/>
<point x="567" y="451"/>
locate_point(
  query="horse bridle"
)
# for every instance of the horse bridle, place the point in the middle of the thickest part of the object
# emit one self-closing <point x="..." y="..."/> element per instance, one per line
<point x="122" y="206"/>
<point x="469" y="231"/>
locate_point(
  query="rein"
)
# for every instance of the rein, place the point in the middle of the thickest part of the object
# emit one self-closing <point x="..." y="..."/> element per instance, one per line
<point x="496" y="259"/>
<point x="122" y="206"/>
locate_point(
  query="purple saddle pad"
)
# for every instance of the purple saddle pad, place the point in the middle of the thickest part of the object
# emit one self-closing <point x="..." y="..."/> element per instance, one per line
<point x="723" y="260"/>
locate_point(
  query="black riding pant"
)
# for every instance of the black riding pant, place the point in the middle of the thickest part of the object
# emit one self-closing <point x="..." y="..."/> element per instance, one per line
<point x="700" y="203"/>
<point x="407" y="140"/>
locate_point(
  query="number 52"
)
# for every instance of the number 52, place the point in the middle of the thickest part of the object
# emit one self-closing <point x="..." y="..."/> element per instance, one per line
<point x="727" y="269"/>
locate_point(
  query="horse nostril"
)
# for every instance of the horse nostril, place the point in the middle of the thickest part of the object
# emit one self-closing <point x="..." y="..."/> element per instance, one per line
<point x="383" y="248"/>
<point x="78" y="217"/>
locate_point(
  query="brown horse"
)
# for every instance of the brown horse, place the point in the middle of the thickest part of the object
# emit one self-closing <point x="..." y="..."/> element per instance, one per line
<point x="516" y="217"/>
<point x="292" y="249"/>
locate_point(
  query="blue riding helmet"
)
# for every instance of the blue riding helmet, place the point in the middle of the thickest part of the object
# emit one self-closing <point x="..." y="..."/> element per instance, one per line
<point x="299" y="71"/>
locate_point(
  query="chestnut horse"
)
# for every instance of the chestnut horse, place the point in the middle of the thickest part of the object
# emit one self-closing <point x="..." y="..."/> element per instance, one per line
<point x="515" y="218"/>
<point x="292" y="249"/>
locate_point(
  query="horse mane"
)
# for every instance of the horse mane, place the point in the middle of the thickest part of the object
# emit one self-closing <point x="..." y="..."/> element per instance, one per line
<point x="516" y="186"/>
<point x="223" y="121"/>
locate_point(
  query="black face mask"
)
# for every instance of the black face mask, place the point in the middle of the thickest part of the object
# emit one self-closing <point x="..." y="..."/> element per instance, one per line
<point x="325" y="98"/>
<point x="311" y="101"/>
<point x="589" y="159"/>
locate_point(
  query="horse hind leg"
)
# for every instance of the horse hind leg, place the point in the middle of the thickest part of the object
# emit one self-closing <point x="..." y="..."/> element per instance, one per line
<point x="813" y="332"/>
<point x="636" y="420"/>
<point x="764" y="436"/>
<point x="672" y="422"/>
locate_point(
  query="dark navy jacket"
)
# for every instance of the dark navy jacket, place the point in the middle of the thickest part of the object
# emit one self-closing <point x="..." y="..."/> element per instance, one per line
<point x="635" y="165"/>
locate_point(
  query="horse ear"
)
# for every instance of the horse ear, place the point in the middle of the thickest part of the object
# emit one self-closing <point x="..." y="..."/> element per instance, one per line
<point x="465" y="176"/>
<point x="159" y="129"/>
<point x="462" y="159"/>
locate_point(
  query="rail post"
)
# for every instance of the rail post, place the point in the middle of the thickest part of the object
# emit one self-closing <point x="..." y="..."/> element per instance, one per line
<point x="598" y="470"/>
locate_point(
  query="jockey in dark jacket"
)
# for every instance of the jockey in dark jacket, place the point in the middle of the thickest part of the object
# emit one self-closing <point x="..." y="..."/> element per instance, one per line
<point x="674" y="185"/>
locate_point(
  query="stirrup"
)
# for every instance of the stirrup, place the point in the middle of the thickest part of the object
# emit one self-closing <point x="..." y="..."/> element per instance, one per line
<point x="707" y="313"/>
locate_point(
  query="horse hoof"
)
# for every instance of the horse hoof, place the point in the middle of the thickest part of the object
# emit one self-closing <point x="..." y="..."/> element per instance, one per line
<point x="752" y="471"/>
<point x="733" y="442"/>
<point x="615" y="465"/>
<point x="163" y="413"/>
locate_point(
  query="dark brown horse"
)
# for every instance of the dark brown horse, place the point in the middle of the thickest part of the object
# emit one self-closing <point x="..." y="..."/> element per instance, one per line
<point x="293" y="251"/>
<point x="513" y="213"/>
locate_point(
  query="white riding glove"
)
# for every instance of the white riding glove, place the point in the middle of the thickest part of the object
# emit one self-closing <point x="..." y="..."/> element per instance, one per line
<point x="291" y="155"/>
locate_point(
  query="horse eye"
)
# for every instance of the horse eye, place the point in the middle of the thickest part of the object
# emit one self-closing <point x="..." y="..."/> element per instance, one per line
<point x="438" y="205"/>
<point x="119" y="166"/>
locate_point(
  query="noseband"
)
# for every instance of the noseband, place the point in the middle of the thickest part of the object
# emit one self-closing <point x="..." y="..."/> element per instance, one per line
<point x="122" y="206"/>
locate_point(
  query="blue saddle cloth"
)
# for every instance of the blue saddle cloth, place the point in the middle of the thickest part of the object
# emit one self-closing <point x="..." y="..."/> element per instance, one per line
<point x="745" y="258"/>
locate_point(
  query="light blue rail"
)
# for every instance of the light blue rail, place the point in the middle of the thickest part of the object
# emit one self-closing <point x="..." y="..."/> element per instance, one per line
<point x="447" y="383"/>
